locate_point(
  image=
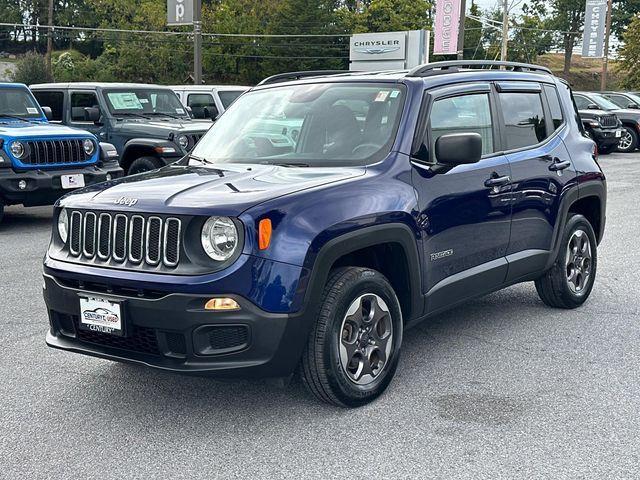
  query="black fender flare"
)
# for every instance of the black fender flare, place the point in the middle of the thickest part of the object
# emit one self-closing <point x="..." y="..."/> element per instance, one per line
<point x="590" y="188"/>
<point x="364" y="237"/>
<point x="150" y="143"/>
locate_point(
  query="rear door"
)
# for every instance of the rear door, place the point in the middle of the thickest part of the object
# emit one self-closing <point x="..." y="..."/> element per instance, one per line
<point x="465" y="211"/>
<point x="533" y="126"/>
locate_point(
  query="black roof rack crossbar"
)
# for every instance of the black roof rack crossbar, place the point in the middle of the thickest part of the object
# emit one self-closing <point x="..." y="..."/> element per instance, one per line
<point x="455" y="65"/>
<point x="284" y="77"/>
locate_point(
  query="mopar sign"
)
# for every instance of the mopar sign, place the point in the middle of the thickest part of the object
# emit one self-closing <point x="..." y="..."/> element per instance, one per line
<point x="380" y="46"/>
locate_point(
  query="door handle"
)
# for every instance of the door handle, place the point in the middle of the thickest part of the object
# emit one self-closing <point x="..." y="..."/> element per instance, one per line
<point x="559" y="165"/>
<point x="496" y="181"/>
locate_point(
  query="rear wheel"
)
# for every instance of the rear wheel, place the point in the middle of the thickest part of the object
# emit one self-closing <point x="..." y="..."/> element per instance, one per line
<point x="354" y="346"/>
<point x="629" y="140"/>
<point x="569" y="282"/>
<point x="144" y="164"/>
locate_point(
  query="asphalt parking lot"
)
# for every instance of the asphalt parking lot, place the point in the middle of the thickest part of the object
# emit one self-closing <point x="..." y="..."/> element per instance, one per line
<point x="502" y="387"/>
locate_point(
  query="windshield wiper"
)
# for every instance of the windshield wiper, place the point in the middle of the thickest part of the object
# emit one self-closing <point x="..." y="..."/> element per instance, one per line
<point x="166" y="115"/>
<point x="16" y="117"/>
<point x="133" y="115"/>
<point x="287" y="164"/>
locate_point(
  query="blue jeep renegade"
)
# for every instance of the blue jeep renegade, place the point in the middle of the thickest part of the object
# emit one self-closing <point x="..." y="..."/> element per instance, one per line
<point x="320" y="217"/>
<point x="39" y="162"/>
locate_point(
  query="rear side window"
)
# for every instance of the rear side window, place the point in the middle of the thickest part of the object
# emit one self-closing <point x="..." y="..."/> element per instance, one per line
<point x="463" y="114"/>
<point x="227" y="97"/>
<point x="53" y="100"/>
<point x="524" y="119"/>
<point x="581" y="102"/>
<point x="80" y="100"/>
<point x="554" y="106"/>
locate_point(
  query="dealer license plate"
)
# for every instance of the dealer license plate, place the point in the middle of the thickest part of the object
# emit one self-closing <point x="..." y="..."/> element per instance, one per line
<point x="618" y="133"/>
<point x="72" y="181"/>
<point x="101" y="315"/>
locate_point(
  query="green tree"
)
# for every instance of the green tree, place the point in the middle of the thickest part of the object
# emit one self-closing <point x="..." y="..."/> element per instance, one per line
<point x="31" y="68"/>
<point x="630" y="55"/>
<point x="473" y="45"/>
<point x="529" y="37"/>
<point x="622" y="14"/>
<point x="567" y="16"/>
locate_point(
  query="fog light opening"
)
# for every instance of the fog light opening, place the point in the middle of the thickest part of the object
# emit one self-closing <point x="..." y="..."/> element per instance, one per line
<point x="22" y="184"/>
<point x="108" y="177"/>
<point x="222" y="303"/>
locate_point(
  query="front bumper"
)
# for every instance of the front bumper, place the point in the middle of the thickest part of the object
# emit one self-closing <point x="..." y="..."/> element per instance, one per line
<point x="44" y="187"/>
<point x="605" y="137"/>
<point x="174" y="332"/>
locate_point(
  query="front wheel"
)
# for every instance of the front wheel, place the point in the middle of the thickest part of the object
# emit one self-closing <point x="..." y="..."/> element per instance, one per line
<point x="144" y="164"/>
<point x="629" y="140"/>
<point x="569" y="282"/>
<point x="354" y="346"/>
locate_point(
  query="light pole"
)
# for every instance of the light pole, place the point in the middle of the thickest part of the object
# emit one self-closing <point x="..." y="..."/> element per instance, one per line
<point x="197" y="42"/>
<point x="463" y="9"/>
<point x="605" y="58"/>
<point x="505" y="30"/>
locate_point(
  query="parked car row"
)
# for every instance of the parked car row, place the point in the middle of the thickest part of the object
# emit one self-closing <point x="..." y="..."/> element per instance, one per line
<point x="611" y="119"/>
<point x="62" y="136"/>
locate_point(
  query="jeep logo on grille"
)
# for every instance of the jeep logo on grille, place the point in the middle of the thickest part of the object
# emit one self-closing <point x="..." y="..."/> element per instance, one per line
<point x="128" y="201"/>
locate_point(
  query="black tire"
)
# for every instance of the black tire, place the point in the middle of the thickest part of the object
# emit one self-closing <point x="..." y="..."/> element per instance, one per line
<point x="144" y="164"/>
<point x="322" y="369"/>
<point x="632" y="145"/>
<point x="555" y="287"/>
<point x="606" y="150"/>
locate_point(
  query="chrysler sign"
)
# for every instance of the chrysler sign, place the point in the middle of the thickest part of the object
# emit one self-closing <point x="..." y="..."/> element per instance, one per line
<point x="379" y="46"/>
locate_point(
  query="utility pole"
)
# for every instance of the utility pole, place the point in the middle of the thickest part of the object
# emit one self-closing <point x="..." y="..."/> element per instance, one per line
<point x="49" y="39"/>
<point x="463" y="12"/>
<point x="505" y="30"/>
<point x="197" y="42"/>
<point x="605" y="58"/>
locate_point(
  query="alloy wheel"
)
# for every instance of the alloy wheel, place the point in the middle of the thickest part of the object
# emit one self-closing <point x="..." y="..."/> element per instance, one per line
<point x="366" y="339"/>
<point x="579" y="262"/>
<point x="625" y="140"/>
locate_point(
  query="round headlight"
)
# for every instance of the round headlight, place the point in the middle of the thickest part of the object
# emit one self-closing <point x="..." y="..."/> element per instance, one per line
<point x="88" y="146"/>
<point x="17" y="149"/>
<point x="63" y="225"/>
<point x="183" y="141"/>
<point x="219" y="238"/>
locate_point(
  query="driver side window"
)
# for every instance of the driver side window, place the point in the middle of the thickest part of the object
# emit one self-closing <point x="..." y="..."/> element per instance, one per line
<point x="462" y="114"/>
<point x="581" y="102"/>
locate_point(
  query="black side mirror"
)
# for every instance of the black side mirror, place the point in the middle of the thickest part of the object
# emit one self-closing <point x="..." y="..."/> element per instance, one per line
<point x="633" y="105"/>
<point x="189" y="110"/>
<point x="211" y="112"/>
<point x="593" y="106"/>
<point x="91" y="114"/>
<point x="458" y="148"/>
<point x="47" y="112"/>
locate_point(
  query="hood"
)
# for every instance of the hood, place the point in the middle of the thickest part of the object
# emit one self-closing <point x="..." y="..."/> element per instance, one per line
<point x="159" y="128"/>
<point x="593" y="113"/>
<point x="34" y="130"/>
<point x="227" y="189"/>
<point x="627" y="113"/>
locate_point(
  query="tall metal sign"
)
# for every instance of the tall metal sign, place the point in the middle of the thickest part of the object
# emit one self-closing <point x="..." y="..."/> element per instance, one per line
<point x="188" y="12"/>
<point x="447" y="27"/>
<point x="594" y="28"/>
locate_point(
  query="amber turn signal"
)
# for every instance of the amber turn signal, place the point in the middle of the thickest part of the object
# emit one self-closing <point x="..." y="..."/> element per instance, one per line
<point x="264" y="233"/>
<point x="222" y="303"/>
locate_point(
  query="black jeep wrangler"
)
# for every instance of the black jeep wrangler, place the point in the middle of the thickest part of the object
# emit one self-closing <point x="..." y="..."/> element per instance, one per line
<point x="147" y="123"/>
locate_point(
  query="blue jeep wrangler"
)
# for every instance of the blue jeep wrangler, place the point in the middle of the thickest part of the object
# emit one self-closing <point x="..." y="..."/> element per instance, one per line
<point x="322" y="217"/>
<point x="40" y="162"/>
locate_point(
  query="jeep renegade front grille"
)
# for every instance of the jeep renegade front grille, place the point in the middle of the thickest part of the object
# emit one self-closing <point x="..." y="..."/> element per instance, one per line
<point x="609" y="121"/>
<point x="49" y="152"/>
<point x="121" y="238"/>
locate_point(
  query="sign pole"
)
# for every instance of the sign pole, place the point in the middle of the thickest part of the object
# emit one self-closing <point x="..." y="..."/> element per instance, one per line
<point x="505" y="31"/>
<point x="605" y="58"/>
<point x="463" y="11"/>
<point x="197" y="42"/>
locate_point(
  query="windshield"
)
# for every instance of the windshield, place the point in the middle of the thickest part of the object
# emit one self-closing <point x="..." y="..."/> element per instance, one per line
<point x="227" y="97"/>
<point x="17" y="102"/>
<point x="603" y="102"/>
<point x="330" y="124"/>
<point x="144" y="102"/>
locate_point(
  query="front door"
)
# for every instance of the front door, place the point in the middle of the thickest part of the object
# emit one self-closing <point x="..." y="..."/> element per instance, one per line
<point x="465" y="211"/>
<point x="78" y="101"/>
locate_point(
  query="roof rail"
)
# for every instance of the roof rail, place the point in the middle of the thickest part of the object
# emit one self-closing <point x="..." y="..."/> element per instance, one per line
<point x="283" y="77"/>
<point x="455" y="65"/>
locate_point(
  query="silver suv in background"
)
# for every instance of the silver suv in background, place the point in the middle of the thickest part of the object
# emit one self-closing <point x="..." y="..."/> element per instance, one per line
<point x="208" y="101"/>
